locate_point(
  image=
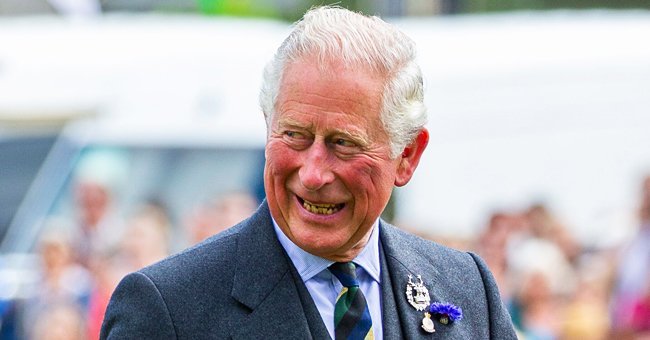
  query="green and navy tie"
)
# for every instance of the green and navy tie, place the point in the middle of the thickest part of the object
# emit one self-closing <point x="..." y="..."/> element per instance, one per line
<point x="351" y="314"/>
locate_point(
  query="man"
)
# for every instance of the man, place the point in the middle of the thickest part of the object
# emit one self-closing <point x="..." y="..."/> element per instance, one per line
<point x="343" y="102"/>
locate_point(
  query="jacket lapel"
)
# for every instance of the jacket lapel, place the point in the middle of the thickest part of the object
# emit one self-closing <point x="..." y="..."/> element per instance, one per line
<point x="264" y="284"/>
<point x="401" y="261"/>
<point x="391" y="325"/>
<point x="314" y="319"/>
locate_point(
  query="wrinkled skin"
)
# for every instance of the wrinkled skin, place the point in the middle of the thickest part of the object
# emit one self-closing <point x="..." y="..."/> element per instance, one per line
<point x="328" y="173"/>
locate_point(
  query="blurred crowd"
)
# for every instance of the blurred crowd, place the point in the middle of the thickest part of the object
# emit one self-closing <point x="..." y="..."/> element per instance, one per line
<point x="83" y="259"/>
<point x="554" y="287"/>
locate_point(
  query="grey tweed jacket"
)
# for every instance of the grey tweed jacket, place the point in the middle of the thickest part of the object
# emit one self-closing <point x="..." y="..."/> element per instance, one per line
<point x="240" y="284"/>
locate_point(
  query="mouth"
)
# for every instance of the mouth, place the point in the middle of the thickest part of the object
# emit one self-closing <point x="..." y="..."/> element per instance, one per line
<point x="321" y="208"/>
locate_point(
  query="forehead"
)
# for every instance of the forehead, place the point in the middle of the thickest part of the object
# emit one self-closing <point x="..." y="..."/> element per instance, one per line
<point x="330" y="90"/>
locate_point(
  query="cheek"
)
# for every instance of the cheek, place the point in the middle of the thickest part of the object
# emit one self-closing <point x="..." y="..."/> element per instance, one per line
<point x="370" y="177"/>
<point x="280" y="159"/>
<point x="282" y="163"/>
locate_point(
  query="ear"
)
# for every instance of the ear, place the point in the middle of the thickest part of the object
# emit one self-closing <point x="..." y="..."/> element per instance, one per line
<point x="410" y="158"/>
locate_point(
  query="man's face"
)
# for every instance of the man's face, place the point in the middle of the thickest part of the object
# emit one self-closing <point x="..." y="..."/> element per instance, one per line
<point x="328" y="172"/>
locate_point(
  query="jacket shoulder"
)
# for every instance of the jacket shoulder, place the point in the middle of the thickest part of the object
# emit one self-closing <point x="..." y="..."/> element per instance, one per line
<point x="213" y="254"/>
<point x="168" y="298"/>
<point x="415" y="248"/>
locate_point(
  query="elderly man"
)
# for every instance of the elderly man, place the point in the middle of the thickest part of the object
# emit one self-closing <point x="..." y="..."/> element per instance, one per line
<point x="343" y="102"/>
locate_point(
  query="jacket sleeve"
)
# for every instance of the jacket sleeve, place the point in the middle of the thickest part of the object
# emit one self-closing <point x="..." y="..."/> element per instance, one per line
<point x="501" y="326"/>
<point x="137" y="311"/>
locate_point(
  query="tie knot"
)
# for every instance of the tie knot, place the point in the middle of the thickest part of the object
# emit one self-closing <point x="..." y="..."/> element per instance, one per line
<point x="345" y="272"/>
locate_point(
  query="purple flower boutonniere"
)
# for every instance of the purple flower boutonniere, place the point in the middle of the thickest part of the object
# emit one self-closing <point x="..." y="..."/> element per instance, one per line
<point x="446" y="312"/>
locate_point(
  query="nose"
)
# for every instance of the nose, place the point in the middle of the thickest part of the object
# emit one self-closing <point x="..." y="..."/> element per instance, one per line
<point x="316" y="171"/>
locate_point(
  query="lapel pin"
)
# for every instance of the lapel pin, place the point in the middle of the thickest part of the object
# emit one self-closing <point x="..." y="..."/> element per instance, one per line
<point x="446" y="312"/>
<point x="418" y="297"/>
<point x="427" y="323"/>
<point x="421" y="299"/>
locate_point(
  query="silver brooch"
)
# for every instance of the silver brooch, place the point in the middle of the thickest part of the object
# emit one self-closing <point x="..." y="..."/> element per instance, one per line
<point x="420" y="301"/>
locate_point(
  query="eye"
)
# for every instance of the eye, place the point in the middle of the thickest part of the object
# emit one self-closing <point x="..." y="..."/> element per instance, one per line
<point x="294" y="135"/>
<point x="344" y="143"/>
<point x="345" y="147"/>
<point x="296" y="140"/>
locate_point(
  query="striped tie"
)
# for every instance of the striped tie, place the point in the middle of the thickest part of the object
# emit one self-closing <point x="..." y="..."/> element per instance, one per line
<point x="351" y="315"/>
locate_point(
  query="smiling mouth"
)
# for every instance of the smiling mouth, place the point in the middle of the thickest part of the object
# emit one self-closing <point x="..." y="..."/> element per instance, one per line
<point x="320" y="209"/>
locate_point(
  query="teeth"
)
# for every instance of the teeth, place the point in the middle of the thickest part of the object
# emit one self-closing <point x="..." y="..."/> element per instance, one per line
<point x="321" y="209"/>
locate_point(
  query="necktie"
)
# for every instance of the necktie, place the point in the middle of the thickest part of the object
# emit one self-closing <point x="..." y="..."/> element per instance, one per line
<point x="351" y="315"/>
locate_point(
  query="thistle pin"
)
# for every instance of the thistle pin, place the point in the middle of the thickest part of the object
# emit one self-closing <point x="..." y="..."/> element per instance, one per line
<point x="446" y="312"/>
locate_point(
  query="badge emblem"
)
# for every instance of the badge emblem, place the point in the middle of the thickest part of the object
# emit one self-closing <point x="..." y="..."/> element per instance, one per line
<point x="427" y="323"/>
<point x="419" y="300"/>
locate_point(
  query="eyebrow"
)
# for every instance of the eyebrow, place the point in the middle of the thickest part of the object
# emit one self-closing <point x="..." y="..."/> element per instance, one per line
<point x="356" y="136"/>
<point x="293" y="123"/>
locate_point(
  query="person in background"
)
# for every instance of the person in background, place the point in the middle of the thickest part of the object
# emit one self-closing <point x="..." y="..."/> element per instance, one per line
<point x="631" y="295"/>
<point x="99" y="228"/>
<point x="542" y="279"/>
<point x="492" y="246"/>
<point x="64" y="282"/>
<point x="219" y="214"/>
<point x="96" y="188"/>
<point x="544" y="225"/>
<point x="586" y="312"/>
<point x="343" y="102"/>
<point x="147" y="237"/>
<point x="108" y="267"/>
<point x="60" y="322"/>
<point x="146" y="240"/>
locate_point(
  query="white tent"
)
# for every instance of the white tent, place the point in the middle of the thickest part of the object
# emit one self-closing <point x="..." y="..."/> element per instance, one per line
<point x="523" y="107"/>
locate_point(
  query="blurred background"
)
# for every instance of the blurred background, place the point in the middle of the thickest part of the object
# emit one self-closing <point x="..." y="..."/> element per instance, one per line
<point x="130" y="130"/>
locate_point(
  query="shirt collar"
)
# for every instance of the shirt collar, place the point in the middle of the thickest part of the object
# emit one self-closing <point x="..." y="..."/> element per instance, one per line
<point x="309" y="265"/>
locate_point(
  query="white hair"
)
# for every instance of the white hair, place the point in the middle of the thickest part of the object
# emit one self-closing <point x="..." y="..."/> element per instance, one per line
<point x="356" y="40"/>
